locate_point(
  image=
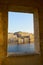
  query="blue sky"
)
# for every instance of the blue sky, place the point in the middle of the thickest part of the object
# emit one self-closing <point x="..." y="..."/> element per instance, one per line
<point x="20" y="22"/>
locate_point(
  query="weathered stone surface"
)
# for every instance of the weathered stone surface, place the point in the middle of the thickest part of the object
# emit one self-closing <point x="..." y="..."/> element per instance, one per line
<point x="20" y="60"/>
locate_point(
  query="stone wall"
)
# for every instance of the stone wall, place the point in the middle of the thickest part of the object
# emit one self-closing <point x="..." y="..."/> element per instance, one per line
<point x="19" y="60"/>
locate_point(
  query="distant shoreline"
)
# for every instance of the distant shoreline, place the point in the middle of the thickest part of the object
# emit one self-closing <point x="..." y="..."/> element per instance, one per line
<point x="20" y="44"/>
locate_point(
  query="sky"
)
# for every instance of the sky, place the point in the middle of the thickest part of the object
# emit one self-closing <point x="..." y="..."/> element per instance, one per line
<point x="20" y="22"/>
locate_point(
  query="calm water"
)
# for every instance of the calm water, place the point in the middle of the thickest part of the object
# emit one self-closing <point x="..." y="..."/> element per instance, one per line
<point x="21" y="48"/>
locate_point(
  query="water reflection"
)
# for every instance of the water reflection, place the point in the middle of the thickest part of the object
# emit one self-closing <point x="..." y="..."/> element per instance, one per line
<point x="21" y="48"/>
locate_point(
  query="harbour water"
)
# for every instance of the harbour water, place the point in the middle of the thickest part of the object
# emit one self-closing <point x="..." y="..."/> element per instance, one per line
<point x="21" y="48"/>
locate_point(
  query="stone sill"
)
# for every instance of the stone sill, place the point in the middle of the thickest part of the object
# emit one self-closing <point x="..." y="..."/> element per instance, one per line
<point x="25" y="54"/>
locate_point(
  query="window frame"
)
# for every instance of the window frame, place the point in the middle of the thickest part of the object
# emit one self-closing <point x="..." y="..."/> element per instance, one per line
<point x="23" y="9"/>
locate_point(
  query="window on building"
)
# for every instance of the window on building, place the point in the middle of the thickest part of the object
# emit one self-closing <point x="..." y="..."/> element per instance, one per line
<point x="20" y="33"/>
